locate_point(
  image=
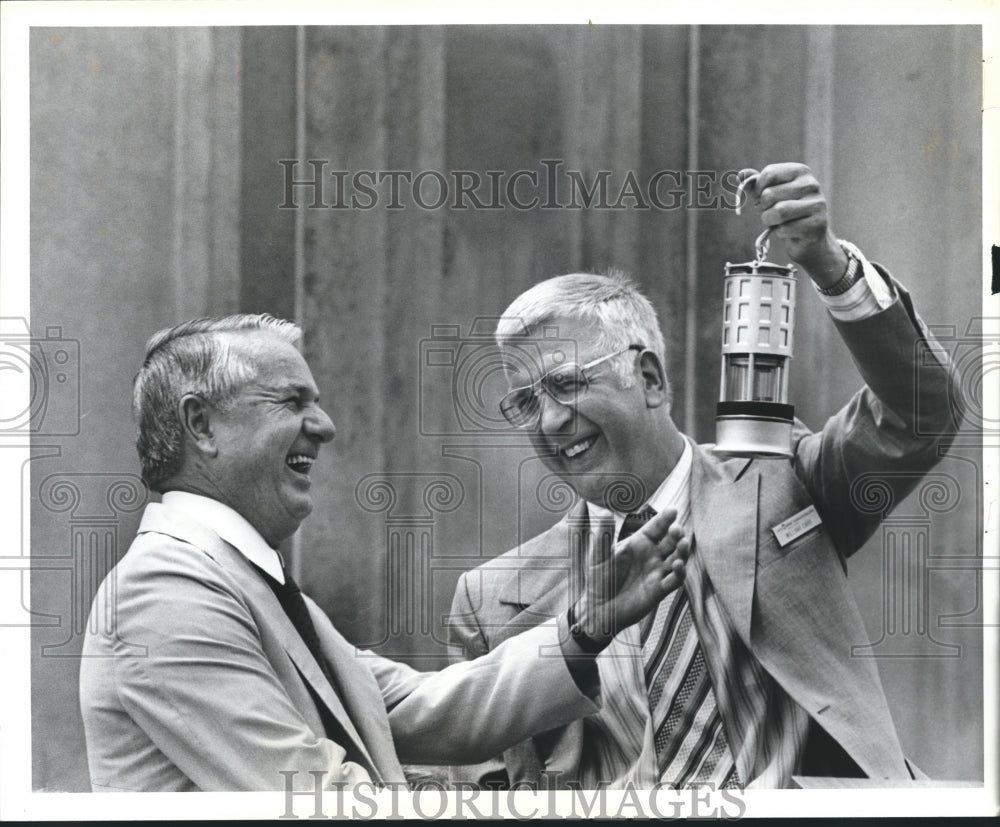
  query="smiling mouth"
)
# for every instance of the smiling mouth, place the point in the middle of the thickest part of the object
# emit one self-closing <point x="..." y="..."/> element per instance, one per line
<point x="300" y="463"/>
<point x="578" y="448"/>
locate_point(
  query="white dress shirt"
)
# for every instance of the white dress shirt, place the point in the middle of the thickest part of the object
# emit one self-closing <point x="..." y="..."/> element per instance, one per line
<point x="231" y="526"/>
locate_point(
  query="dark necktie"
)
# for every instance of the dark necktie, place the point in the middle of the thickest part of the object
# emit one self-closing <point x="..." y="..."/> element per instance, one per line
<point x="290" y="597"/>
<point x="635" y="521"/>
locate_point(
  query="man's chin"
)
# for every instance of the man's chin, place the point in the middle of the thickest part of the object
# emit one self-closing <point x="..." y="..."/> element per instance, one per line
<point x="301" y="510"/>
<point x="296" y="512"/>
<point x="618" y="492"/>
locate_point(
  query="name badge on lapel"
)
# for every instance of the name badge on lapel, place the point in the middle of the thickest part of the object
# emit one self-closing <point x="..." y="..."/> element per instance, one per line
<point x="796" y="525"/>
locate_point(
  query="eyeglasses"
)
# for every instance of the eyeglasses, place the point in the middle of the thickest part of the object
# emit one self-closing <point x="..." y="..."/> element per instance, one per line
<point x="522" y="406"/>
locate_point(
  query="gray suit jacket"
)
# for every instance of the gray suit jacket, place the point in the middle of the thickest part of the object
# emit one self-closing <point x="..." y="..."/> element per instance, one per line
<point x="792" y="605"/>
<point x="199" y="681"/>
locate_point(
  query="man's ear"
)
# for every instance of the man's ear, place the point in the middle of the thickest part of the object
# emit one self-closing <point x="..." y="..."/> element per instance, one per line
<point x="195" y="415"/>
<point x="654" y="380"/>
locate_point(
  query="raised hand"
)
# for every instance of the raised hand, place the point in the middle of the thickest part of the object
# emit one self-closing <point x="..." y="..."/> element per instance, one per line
<point x="626" y="581"/>
<point x="793" y="205"/>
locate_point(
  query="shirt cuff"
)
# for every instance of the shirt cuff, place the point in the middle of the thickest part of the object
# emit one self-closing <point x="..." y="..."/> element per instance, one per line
<point x="868" y="296"/>
<point x="582" y="666"/>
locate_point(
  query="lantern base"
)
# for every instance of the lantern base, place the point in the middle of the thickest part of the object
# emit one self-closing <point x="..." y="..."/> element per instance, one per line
<point x="754" y="429"/>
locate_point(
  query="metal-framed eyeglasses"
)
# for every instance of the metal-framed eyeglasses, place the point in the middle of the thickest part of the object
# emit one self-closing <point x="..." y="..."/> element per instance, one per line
<point x="522" y="407"/>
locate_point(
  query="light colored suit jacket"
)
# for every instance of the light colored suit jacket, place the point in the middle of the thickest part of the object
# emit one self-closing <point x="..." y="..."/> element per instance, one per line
<point x="792" y="605"/>
<point x="197" y="680"/>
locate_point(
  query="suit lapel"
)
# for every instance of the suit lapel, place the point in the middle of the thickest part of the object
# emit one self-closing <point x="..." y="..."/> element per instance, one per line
<point x="724" y="524"/>
<point x="174" y="523"/>
<point x="359" y="697"/>
<point x="793" y="647"/>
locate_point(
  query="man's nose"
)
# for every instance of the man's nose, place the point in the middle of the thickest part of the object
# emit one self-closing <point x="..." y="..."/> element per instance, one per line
<point x="553" y="415"/>
<point x="320" y="425"/>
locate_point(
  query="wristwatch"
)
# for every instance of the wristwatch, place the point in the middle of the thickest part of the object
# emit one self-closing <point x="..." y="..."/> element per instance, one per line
<point x="583" y="640"/>
<point x="850" y="278"/>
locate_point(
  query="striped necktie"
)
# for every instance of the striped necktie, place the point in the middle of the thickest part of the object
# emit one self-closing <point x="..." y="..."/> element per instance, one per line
<point x="691" y="744"/>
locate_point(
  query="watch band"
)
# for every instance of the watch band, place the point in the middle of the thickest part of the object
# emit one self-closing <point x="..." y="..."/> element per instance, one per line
<point x="585" y="642"/>
<point x="850" y="278"/>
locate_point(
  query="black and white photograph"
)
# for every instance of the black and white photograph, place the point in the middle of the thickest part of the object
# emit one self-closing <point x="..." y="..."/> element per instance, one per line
<point x="428" y="414"/>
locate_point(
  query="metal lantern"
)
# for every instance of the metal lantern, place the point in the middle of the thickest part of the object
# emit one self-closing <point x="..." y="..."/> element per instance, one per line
<point x="753" y="417"/>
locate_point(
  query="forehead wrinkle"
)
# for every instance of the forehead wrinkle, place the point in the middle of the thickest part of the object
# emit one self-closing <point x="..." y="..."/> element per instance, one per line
<point x="290" y="388"/>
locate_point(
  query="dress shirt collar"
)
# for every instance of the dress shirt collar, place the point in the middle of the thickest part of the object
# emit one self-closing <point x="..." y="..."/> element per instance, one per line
<point x="231" y="526"/>
<point x="670" y="494"/>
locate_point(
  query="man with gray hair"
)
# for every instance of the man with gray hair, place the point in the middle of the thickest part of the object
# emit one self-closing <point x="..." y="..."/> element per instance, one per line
<point x="218" y="674"/>
<point x="744" y="677"/>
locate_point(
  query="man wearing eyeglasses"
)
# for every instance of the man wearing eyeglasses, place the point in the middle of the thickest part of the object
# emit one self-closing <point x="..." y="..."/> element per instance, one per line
<point x="744" y="677"/>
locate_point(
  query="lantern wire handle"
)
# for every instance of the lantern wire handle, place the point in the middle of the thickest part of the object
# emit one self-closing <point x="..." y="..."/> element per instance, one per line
<point x="762" y="243"/>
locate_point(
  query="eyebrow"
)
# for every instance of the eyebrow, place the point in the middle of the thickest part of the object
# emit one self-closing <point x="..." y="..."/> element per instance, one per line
<point x="546" y="372"/>
<point x="297" y="390"/>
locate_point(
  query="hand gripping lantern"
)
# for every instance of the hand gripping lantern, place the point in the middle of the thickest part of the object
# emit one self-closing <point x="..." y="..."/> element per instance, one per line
<point x="753" y="417"/>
